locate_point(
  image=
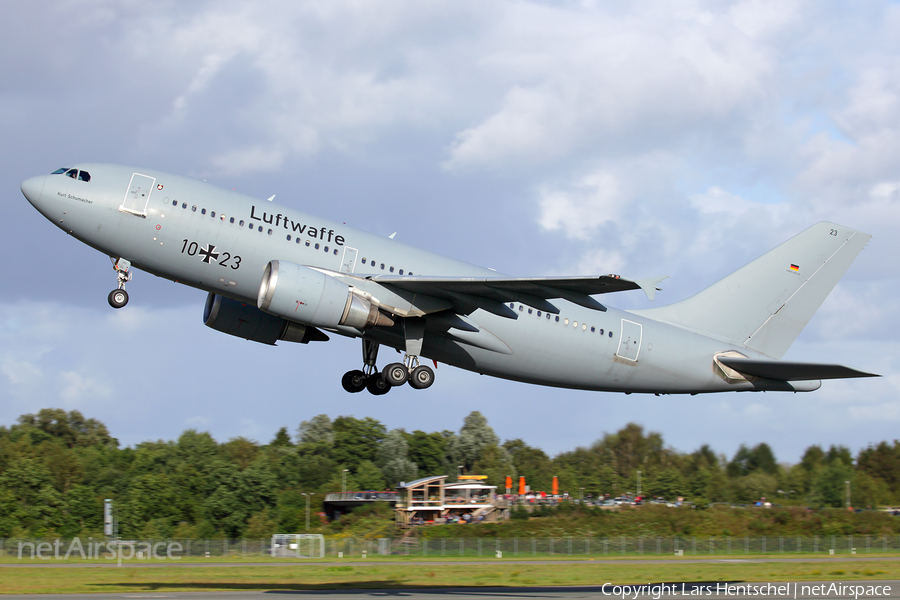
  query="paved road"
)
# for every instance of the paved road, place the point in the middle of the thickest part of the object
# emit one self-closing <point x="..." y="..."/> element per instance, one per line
<point x="807" y="590"/>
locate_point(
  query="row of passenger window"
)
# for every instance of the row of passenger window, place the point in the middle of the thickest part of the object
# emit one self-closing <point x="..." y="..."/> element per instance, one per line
<point x="372" y="263"/>
<point x="251" y="226"/>
<point x="556" y="318"/>
<point x="308" y="244"/>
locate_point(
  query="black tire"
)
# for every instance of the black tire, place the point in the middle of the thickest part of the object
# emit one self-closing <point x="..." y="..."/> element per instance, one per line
<point x="117" y="298"/>
<point x="395" y="374"/>
<point x="354" y="381"/>
<point x="422" y="377"/>
<point x="376" y="385"/>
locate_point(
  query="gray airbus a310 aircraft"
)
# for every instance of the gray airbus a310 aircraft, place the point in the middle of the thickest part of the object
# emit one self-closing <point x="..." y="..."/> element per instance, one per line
<point x="274" y="273"/>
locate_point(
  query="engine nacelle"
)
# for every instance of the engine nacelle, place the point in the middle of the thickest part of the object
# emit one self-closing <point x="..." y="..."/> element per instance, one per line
<point x="248" y="322"/>
<point x="304" y="295"/>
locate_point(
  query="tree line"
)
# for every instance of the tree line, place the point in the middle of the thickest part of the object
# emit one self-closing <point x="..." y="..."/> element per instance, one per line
<point x="57" y="467"/>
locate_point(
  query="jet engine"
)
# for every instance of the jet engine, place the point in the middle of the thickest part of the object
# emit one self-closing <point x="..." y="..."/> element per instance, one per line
<point x="246" y="321"/>
<point x="308" y="296"/>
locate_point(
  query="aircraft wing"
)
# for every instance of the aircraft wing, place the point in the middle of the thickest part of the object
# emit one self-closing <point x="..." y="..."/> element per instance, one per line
<point x="790" y="371"/>
<point x="492" y="293"/>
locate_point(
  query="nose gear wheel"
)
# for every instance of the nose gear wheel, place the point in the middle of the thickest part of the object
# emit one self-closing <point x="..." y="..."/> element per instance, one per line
<point x="119" y="297"/>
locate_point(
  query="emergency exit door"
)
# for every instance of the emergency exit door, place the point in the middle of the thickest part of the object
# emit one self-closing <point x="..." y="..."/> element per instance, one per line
<point x="138" y="194"/>
<point x="630" y="340"/>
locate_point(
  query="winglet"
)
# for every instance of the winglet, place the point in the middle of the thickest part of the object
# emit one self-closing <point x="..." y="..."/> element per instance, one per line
<point x="649" y="285"/>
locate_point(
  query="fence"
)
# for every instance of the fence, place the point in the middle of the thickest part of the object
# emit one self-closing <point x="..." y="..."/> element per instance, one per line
<point x="33" y="549"/>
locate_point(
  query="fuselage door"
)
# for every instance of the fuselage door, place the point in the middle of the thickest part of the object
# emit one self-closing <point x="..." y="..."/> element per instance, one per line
<point x="348" y="263"/>
<point x="138" y="194"/>
<point x="630" y="342"/>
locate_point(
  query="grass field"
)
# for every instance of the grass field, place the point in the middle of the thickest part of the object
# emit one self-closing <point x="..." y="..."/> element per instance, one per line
<point x="400" y="574"/>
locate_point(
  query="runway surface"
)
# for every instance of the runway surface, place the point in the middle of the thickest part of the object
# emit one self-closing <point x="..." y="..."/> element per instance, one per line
<point x="791" y="591"/>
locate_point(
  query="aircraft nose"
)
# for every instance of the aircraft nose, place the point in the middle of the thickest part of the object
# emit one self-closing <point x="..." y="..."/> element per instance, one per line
<point x="32" y="188"/>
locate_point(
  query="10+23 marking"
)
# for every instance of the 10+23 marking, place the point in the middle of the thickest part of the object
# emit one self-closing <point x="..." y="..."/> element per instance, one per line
<point x="209" y="255"/>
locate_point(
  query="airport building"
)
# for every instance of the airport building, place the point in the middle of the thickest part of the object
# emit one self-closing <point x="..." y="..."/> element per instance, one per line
<point x="432" y="500"/>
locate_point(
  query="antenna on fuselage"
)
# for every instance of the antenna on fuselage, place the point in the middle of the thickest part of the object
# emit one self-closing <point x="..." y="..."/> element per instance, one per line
<point x="272" y="197"/>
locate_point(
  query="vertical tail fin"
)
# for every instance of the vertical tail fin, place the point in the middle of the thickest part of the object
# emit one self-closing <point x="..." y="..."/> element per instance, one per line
<point x="766" y="304"/>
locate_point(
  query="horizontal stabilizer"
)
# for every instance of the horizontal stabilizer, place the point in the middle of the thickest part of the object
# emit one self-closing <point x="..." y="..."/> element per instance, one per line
<point x="790" y="371"/>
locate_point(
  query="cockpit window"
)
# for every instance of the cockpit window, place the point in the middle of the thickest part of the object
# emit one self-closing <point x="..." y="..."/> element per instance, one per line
<point x="73" y="173"/>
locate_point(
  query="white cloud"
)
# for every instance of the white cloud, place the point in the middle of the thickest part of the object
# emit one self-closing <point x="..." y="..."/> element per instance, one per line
<point x="76" y="388"/>
<point x="681" y="138"/>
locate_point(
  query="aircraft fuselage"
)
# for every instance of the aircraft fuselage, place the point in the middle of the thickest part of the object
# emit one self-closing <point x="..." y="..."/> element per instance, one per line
<point x="221" y="241"/>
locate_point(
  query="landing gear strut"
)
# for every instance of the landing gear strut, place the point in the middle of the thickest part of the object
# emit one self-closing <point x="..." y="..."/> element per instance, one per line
<point x="119" y="297"/>
<point x="369" y="378"/>
<point x="409" y="371"/>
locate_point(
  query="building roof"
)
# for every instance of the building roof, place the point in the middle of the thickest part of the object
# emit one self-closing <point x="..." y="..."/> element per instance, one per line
<point x="405" y="485"/>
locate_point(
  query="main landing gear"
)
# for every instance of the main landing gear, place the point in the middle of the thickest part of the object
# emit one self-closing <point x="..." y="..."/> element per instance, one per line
<point x="119" y="297"/>
<point x="379" y="383"/>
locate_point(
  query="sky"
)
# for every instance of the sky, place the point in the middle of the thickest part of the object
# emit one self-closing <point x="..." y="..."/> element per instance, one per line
<point x="671" y="137"/>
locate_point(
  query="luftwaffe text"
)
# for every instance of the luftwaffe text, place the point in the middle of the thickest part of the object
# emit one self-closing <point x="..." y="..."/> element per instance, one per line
<point x="279" y="220"/>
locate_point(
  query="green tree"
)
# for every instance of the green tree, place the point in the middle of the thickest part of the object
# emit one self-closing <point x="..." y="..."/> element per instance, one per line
<point x="495" y="462"/>
<point x="474" y="435"/>
<point x="882" y="462"/>
<point x="393" y="459"/>
<point x="356" y="440"/>
<point x="532" y="463"/>
<point x="368" y="476"/>
<point x="750" y="460"/>
<point x="282" y="439"/>
<point x="318" y="430"/>
<point x="829" y="484"/>
<point x="427" y="451"/>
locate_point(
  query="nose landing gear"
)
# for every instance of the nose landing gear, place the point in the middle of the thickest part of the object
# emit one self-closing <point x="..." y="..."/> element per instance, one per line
<point x="119" y="297"/>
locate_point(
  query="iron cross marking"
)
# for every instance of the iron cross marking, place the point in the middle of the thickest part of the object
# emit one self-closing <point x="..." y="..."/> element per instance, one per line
<point x="209" y="253"/>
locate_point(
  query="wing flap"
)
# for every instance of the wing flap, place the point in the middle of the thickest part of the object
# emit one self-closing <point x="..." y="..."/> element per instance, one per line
<point x="790" y="371"/>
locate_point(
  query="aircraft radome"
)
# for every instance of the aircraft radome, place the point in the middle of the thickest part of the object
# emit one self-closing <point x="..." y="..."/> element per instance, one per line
<point x="274" y="273"/>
